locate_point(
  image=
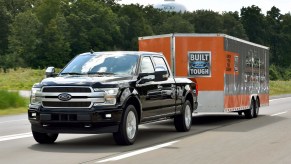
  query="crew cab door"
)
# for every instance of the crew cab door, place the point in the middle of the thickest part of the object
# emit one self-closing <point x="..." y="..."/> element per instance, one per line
<point x="167" y="88"/>
<point x="157" y="97"/>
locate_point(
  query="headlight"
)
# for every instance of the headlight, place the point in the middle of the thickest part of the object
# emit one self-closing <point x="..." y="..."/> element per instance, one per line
<point x="110" y="95"/>
<point x="35" y="96"/>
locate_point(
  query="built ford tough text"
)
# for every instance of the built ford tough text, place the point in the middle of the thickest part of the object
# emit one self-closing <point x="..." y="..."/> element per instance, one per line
<point x="110" y="92"/>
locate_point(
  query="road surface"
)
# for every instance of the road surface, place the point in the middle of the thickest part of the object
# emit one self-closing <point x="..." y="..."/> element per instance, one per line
<point x="214" y="138"/>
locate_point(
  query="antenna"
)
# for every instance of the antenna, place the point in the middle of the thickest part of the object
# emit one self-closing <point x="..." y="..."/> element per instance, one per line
<point x="92" y="51"/>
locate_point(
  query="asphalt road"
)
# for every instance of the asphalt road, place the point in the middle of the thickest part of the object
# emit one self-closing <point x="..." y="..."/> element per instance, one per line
<point x="214" y="138"/>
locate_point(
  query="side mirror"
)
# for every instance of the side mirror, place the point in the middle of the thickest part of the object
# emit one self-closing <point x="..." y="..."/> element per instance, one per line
<point x="50" y="72"/>
<point x="161" y="73"/>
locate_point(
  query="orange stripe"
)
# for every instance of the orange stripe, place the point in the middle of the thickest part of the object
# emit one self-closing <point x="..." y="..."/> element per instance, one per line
<point x="234" y="101"/>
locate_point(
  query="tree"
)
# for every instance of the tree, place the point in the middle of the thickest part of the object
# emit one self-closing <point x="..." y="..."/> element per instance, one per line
<point x="132" y="25"/>
<point x="92" y="25"/>
<point x="274" y="19"/>
<point x="207" y="21"/>
<point x="24" y="38"/>
<point x="5" y="20"/>
<point x="254" y="24"/>
<point x="285" y="38"/>
<point x="55" y="48"/>
<point x="232" y="25"/>
<point x="176" y="24"/>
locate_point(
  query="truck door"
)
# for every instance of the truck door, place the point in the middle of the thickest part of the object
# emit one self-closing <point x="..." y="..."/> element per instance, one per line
<point x="148" y="89"/>
<point x="168" y="88"/>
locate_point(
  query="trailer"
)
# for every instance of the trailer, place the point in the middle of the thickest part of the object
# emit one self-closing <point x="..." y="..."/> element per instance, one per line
<point x="232" y="74"/>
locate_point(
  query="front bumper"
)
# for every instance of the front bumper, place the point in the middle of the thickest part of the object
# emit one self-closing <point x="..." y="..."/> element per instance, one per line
<point x="92" y="121"/>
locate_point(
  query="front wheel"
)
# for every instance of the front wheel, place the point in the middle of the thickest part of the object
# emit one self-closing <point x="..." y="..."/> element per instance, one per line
<point x="128" y="128"/>
<point x="183" y="122"/>
<point x="45" y="138"/>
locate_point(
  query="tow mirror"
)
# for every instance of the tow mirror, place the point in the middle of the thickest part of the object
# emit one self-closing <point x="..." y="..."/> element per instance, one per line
<point x="50" y="72"/>
<point x="161" y="73"/>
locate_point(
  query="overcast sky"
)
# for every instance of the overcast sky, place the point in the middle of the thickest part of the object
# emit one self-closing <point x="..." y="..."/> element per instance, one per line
<point x="223" y="5"/>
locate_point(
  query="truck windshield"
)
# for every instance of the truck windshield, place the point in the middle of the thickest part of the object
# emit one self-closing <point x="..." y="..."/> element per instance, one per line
<point x="102" y="64"/>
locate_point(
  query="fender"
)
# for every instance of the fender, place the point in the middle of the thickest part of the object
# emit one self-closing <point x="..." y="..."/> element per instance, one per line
<point x="126" y="96"/>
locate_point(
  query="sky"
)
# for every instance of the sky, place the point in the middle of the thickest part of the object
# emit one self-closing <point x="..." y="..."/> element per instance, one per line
<point x="223" y="5"/>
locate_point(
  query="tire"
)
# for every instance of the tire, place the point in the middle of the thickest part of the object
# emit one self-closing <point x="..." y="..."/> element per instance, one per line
<point x="183" y="121"/>
<point x="45" y="138"/>
<point x="128" y="128"/>
<point x="249" y="114"/>
<point x="256" y="110"/>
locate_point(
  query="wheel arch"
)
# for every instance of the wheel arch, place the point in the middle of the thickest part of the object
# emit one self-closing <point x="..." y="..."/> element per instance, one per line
<point x="134" y="100"/>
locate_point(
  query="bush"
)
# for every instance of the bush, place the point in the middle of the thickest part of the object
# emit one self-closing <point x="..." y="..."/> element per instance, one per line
<point x="274" y="73"/>
<point x="11" y="100"/>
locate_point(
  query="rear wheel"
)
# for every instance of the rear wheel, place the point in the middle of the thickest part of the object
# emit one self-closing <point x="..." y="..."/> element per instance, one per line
<point x="183" y="121"/>
<point x="45" y="138"/>
<point x="256" y="110"/>
<point x="128" y="128"/>
<point x="249" y="114"/>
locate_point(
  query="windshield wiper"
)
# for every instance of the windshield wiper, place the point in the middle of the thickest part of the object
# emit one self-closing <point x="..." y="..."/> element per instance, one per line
<point x="100" y="73"/>
<point x="72" y="73"/>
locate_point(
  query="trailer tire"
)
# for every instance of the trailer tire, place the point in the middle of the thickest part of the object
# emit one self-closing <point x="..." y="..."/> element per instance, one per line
<point x="256" y="110"/>
<point x="45" y="138"/>
<point x="183" y="121"/>
<point x="249" y="113"/>
<point x="128" y="127"/>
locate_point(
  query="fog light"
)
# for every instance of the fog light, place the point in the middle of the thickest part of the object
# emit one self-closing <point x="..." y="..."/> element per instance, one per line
<point x="107" y="115"/>
<point x="33" y="114"/>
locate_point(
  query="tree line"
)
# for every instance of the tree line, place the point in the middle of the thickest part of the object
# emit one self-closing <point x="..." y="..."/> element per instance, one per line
<point x="41" y="33"/>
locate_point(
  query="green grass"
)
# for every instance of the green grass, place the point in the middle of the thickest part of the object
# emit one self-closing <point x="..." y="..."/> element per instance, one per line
<point x="12" y="103"/>
<point x="11" y="111"/>
<point x="20" y="79"/>
<point x="280" y="87"/>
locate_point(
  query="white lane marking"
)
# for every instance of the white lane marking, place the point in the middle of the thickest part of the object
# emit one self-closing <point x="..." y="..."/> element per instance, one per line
<point x="279" y="99"/>
<point x="279" y="113"/>
<point x="13" y="121"/>
<point x="133" y="153"/>
<point x="15" y="136"/>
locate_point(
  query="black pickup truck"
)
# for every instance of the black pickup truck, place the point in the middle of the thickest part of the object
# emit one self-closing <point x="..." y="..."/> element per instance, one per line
<point x="110" y="92"/>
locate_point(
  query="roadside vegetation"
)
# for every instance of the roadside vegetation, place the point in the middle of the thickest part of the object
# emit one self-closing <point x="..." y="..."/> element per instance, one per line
<point x="280" y="87"/>
<point x="20" y="78"/>
<point x="12" y="103"/>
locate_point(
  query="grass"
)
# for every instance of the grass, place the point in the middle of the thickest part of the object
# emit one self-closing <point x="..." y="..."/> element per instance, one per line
<point x="280" y="87"/>
<point x="20" y="79"/>
<point x="12" y="103"/>
<point x="11" y="111"/>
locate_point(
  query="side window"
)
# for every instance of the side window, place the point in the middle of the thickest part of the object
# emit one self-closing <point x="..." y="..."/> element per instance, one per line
<point x="160" y="62"/>
<point x="146" y="65"/>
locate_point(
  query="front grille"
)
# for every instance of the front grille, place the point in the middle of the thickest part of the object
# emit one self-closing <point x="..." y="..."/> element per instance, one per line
<point x="67" y="89"/>
<point x="66" y="104"/>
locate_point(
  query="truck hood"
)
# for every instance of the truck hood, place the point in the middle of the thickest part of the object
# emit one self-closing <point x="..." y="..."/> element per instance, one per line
<point x="84" y="81"/>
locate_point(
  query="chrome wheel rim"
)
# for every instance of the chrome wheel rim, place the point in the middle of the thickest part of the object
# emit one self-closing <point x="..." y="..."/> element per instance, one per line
<point x="131" y="125"/>
<point x="188" y="116"/>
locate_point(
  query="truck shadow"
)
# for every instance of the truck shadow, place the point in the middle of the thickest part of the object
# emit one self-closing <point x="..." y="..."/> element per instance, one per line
<point x="157" y="133"/>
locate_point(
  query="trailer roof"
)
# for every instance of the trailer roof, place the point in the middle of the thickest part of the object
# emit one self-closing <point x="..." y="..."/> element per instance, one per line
<point x="203" y="35"/>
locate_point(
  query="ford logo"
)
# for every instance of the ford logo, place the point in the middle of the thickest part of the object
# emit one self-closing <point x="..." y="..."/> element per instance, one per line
<point x="64" y="97"/>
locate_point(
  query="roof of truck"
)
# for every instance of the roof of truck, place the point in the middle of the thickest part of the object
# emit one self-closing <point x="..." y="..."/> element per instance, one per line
<point x="124" y="52"/>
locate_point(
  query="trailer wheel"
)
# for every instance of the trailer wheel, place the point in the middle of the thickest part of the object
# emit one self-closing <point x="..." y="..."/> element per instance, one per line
<point x="183" y="122"/>
<point x="128" y="128"/>
<point x="249" y="114"/>
<point x="45" y="138"/>
<point x="256" y="110"/>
